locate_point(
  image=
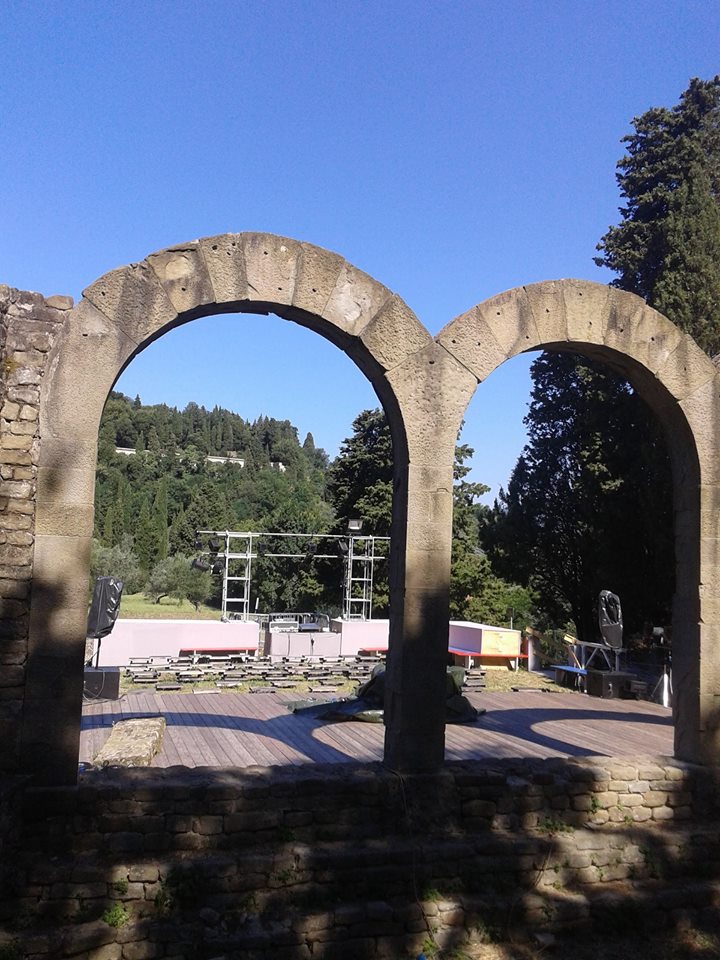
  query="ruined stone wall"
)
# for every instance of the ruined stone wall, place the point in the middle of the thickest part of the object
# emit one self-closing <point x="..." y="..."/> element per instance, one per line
<point x="345" y="861"/>
<point x="28" y="327"/>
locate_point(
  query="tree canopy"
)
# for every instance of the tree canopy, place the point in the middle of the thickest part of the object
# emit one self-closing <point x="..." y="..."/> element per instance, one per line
<point x="586" y="507"/>
<point x="667" y="246"/>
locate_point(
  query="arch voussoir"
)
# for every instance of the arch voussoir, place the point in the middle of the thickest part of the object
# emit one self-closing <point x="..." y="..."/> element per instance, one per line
<point x="183" y="275"/>
<point x="134" y="299"/>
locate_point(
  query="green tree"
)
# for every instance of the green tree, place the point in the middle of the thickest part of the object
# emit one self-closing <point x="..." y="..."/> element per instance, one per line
<point x="586" y="506"/>
<point x="146" y="537"/>
<point x="160" y="516"/>
<point x="167" y="579"/>
<point x="119" y="561"/>
<point x="667" y="246"/>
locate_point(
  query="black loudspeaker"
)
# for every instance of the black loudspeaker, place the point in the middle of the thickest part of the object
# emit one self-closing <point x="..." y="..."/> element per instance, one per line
<point x="607" y="683"/>
<point x="104" y="607"/>
<point x="101" y="683"/>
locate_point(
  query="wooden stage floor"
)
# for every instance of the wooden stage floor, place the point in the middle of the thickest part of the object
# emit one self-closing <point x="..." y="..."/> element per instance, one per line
<point x="238" y="730"/>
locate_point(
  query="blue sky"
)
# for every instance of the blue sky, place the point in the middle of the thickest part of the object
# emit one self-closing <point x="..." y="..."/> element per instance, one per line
<point x="451" y="149"/>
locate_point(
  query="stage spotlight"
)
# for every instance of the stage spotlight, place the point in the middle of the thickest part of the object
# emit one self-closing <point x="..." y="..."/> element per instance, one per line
<point x="354" y="525"/>
<point x="200" y="564"/>
<point x="214" y="546"/>
<point x="198" y="544"/>
<point x="342" y="548"/>
<point x="262" y="547"/>
<point x="218" y="566"/>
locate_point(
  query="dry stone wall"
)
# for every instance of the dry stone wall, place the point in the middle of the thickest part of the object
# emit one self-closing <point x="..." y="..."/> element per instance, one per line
<point x="29" y="324"/>
<point x="345" y="861"/>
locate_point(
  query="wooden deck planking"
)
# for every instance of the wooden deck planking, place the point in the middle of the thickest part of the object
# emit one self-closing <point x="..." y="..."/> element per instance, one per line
<point x="237" y="730"/>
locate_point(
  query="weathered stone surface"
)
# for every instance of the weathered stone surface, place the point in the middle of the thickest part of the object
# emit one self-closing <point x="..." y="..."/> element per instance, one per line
<point x="132" y="743"/>
<point x="224" y="257"/>
<point x="184" y="276"/>
<point x="72" y="405"/>
<point x="271" y="265"/>
<point x="60" y="302"/>
<point x="134" y="299"/>
<point x="355" y="300"/>
<point x="317" y="273"/>
<point x="470" y="339"/>
<point x="394" y="334"/>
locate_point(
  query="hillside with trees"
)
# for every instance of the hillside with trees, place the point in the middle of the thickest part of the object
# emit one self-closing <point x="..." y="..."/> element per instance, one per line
<point x="149" y="505"/>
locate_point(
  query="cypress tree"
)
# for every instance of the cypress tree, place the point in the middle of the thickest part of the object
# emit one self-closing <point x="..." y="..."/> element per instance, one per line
<point x="667" y="246"/>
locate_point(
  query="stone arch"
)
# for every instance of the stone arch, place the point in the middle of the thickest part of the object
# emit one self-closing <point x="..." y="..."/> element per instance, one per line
<point x="682" y="387"/>
<point x="118" y="316"/>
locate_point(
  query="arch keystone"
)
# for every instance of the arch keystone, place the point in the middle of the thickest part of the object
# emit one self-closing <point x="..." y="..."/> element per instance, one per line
<point x="586" y="308"/>
<point x="224" y="257"/>
<point x="549" y="310"/>
<point x="271" y="265"/>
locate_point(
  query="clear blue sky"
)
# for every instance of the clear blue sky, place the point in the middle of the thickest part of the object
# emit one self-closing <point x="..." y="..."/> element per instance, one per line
<point x="451" y="149"/>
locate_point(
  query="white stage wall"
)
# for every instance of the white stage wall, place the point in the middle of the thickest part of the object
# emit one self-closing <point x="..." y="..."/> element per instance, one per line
<point x="165" y="638"/>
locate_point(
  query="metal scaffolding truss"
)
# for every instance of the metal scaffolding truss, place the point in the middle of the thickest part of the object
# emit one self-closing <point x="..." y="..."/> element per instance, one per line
<point x="236" y="551"/>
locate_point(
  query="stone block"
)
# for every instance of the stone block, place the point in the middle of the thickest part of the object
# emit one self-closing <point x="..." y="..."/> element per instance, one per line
<point x="547" y="305"/>
<point x="271" y="265"/>
<point x="9" y="410"/>
<point x="636" y="329"/>
<point x="11" y="441"/>
<point x="394" y="334"/>
<point x="686" y="370"/>
<point x="354" y="301"/>
<point x="72" y="405"/>
<point x="433" y="390"/>
<point x="26" y="428"/>
<point x="224" y="257"/>
<point x="317" y="273"/>
<point x="11" y="555"/>
<point x="18" y="589"/>
<point x="702" y="409"/>
<point x="183" y="274"/>
<point x="67" y="520"/>
<point x="65" y="486"/>
<point x="58" y="302"/>
<point x="61" y="571"/>
<point x="511" y="320"/>
<point x="134" y="299"/>
<point x="470" y="339"/>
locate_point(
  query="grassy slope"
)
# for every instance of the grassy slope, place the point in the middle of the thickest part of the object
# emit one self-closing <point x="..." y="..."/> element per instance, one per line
<point x="136" y="606"/>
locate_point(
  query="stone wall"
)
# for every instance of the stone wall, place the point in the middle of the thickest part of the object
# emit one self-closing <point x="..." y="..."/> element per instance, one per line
<point x="340" y="861"/>
<point x="28" y="327"/>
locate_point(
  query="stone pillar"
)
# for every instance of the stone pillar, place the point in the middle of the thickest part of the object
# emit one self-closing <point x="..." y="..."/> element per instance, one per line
<point x="89" y="354"/>
<point x="29" y="325"/>
<point x="433" y="390"/>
